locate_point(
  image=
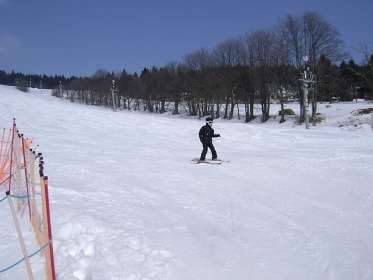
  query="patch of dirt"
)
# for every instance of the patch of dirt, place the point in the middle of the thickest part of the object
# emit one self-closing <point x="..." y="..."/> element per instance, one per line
<point x="361" y="112"/>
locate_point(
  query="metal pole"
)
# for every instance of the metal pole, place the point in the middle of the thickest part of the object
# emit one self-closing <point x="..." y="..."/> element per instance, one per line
<point x="61" y="95"/>
<point x="305" y="104"/>
<point x="112" y="93"/>
<point x="306" y="78"/>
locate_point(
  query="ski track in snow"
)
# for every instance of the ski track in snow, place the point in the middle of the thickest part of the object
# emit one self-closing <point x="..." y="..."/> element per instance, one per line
<point x="127" y="204"/>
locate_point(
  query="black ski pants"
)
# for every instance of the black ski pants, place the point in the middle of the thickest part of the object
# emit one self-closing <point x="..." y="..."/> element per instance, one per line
<point x="207" y="146"/>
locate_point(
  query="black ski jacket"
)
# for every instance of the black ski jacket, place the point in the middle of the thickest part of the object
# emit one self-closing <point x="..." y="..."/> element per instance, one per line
<point x="206" y="133"/>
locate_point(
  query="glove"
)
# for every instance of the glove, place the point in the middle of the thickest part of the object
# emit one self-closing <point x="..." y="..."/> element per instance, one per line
<point x="217" y="135"/>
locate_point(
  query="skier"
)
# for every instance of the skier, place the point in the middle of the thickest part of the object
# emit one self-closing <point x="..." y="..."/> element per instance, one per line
<point x="206" y="133"/>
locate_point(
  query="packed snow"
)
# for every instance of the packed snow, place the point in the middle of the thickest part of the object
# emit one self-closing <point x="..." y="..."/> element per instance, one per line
<point x="128" y="202"/>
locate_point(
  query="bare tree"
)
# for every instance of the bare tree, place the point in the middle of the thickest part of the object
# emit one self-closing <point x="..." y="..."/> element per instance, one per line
<point x="227" y="56"/>
<point x="176" y="84"/>
<point x="312" y="36"/>
<point x="284" y="70"/>
<point x="322" y="41"/>
<point x="367" y="73"/>
<point x="198" y="65"/>
<point x="262" y="59"/>
<point x="248" y="77"/>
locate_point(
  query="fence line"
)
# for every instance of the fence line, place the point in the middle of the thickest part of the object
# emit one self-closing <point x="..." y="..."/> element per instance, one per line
<point x="22" y="176"/>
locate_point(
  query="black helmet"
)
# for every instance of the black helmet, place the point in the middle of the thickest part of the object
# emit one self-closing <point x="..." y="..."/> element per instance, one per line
<point x="209" y="119"/>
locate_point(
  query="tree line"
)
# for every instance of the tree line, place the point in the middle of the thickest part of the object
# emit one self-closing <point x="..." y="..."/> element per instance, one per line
<point x="238" y="74"/>
<point x="23" y="81"/>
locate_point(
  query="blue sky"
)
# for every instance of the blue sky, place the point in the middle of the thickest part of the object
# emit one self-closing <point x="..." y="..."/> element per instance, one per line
<point x="78" y="37"/>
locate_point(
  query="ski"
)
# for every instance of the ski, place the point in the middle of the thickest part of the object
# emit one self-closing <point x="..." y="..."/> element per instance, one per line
<point x="210" y="161"/>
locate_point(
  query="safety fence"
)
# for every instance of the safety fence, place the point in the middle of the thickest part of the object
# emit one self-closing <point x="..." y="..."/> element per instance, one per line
<point x="26" y="190"/>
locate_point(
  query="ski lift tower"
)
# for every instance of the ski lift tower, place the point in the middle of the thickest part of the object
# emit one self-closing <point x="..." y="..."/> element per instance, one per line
<point x="306" y="78"/>
<point x="113" y="91"/>
<point x="60" y="90"/>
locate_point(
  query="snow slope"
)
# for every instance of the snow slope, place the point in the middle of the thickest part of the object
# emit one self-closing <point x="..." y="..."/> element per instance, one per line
<point x="128" y="204"/>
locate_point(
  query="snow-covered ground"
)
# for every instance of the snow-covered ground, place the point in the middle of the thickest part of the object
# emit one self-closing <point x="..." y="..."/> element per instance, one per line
<point x="127" y="203"/>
